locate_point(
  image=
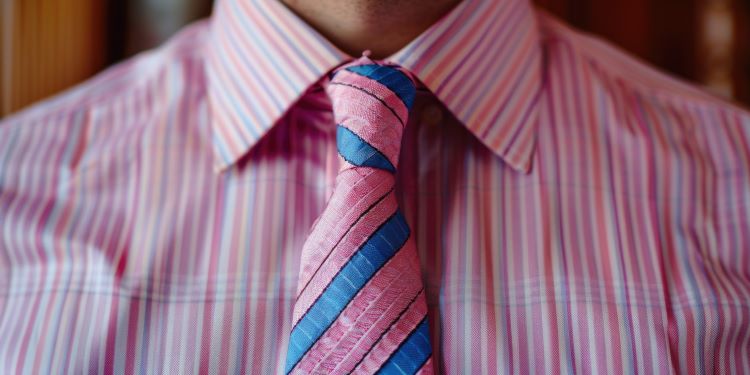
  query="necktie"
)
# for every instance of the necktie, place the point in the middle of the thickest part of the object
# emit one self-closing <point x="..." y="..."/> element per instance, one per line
<point x="360" y="304"/>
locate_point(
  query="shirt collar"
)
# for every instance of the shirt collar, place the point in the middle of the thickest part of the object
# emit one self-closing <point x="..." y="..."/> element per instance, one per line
<point x="483" y="60"/>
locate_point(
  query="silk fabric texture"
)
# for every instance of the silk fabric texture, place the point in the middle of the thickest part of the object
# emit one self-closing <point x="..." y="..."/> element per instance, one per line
<point x="360" y="303"/>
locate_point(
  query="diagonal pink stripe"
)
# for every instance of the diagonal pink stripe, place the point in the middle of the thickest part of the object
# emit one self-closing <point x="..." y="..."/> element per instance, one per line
<point x="351" y="242"/>
<point x="377" y="89"/>
<point x="369" y="314"/>
<point x="364" y="115"/>
<point x="366" y="183"/>
<point x="395" y="335"/>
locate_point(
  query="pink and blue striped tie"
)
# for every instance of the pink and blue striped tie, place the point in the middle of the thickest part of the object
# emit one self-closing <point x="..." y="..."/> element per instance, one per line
<point x="360" y="304"/>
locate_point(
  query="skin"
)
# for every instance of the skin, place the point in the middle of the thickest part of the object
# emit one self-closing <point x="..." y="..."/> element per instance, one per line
<point x="381" y="26"/>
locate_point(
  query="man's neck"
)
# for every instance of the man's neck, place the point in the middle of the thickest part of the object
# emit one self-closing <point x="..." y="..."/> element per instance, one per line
<point x="381" y="26"/>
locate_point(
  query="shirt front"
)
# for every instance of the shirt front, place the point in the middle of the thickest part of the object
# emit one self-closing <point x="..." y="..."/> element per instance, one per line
<point x="574" y="210"/>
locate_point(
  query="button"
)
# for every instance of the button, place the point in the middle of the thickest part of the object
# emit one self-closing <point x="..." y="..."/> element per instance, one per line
<point x="432" y="115"/>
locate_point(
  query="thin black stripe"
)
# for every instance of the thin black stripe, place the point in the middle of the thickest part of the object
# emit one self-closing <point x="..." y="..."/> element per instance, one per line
<point x="374" y="96"/>
<point x="339" y="241"/>
<point x="404" y="342"/>
<point x="347" y="262"/>
<point x="353" y="298"/>
<point x="393" y="69"/>
<point x="389" y="328"/>
<point x="373" y="147"/>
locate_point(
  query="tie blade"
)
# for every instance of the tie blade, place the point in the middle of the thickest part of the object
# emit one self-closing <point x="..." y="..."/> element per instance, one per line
<point x="361" y="267"/>
<point x="361" y="307"/>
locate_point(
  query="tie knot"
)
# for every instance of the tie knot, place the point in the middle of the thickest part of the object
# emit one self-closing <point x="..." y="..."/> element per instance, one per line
<point x="371" y="105"/>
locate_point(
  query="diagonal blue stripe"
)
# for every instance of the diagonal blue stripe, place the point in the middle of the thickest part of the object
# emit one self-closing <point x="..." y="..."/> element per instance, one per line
<point x="390" y="77"/>
<point x="412" y="354"/>
<point x="371" y="256"/>
<point x="360" y="153"/>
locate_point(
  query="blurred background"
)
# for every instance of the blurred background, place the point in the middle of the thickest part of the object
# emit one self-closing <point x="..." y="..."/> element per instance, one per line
<point x="49" y="45"/>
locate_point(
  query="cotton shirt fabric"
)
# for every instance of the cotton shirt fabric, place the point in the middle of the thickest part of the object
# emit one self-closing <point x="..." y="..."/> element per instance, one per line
<point x="574" y="210"/>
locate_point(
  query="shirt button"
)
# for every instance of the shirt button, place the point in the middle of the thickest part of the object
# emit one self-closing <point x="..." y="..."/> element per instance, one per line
<point x="432" y="115"/>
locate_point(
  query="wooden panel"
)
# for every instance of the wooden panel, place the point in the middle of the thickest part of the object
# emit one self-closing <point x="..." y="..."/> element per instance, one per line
<point x="661" y="32"/>
<point x="624" y="22"/>
<point x="683" y="37"/>
<point x="47" y="46"/>
<point x="742" y="51"/>
<point x="716" y="46"/>
<point x="673" y="35"/>
<point x="151" y="22"/>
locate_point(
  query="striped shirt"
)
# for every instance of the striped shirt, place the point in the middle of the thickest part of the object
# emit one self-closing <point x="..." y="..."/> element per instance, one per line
<point x="574" y="210"/>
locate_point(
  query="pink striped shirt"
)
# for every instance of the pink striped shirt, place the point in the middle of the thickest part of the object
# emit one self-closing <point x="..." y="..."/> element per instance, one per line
<point x="574" y="210"/>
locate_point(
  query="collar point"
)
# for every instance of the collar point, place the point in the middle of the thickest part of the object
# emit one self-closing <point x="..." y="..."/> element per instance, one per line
<point x="219" y="165"/>
<point x="522" y="164"/>
<point x="519" y="155"/>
